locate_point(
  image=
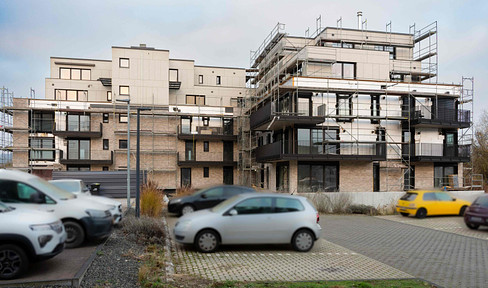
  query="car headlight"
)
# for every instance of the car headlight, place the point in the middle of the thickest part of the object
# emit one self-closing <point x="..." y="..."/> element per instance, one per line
<point x="96" y="213"/>
<point x="176" y="200"/>
<point x="412" y="205"/>
<point x="55" y="226"/>
<point x="112" y="207"/>
<point x="183" y="225"/>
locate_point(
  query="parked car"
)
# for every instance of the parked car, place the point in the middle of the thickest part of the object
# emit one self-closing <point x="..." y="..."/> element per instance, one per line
<point x="27" y="236"/>
<point x="252" y="218"/>
<point x="205" y="198"/>
<point x="422" y="203"/>
<point x="78" y="187"/>
<point x="477" y="214"/>
<point x="82" y="219"/>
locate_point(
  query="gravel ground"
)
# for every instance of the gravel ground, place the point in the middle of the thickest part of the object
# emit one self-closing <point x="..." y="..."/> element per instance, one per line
<point x="116" y="264"/>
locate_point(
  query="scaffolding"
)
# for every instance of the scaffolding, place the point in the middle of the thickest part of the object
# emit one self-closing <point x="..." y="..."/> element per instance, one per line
<point x="6" y="120"/>
<point x="280" y="58"/>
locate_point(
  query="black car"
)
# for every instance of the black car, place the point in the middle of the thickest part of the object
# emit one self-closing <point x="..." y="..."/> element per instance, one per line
<point x="205" y="198"/>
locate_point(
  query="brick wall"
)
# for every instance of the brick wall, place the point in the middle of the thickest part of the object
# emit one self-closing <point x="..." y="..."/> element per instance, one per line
<point x="355" y="176"/>
<point x="424" y="175"/>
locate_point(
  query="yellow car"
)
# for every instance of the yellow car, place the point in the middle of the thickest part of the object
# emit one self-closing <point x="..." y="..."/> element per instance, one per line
<point x="424" y="203"/>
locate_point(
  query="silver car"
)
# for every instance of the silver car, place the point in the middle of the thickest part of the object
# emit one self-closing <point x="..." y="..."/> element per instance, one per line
<point x="252" y="219"/>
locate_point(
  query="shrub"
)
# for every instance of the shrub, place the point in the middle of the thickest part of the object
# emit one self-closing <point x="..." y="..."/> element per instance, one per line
<point x="145" y="229"/>
<point x="151" y="200"/>
<point x="337" y="203"/>
<point x="363" y="209"/>
<point x="184" y="191"/>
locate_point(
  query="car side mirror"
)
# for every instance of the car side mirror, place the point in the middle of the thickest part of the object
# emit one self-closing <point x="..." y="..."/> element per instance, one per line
<point x="233" y="212"/>
<point x="204" y="196"/>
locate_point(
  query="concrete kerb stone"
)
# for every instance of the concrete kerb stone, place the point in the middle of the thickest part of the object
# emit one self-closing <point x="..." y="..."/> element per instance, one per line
<point x="168" y="253"/>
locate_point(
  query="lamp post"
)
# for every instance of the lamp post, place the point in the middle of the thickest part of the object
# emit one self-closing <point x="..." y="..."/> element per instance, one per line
<point x="128" y="149"/>
<point x="138" y="162"/>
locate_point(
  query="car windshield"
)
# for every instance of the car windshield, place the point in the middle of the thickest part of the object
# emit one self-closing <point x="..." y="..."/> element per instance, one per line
<point x="70" y="186"/>
<point x="202" y="191"/>
<point x="4" y="208"/>
<point x="409" y="196"/>
<point x="481" y="201"/>
<point x="222" y="206"/>
<point x="56" y="192"/>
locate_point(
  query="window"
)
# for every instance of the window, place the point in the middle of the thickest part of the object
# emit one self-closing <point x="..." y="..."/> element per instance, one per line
<point x="78" y="149"/>
<point x="122" y="118"/>
<point x="105" y="118"/>
<point x="342" y="45"/>
<point x="42" y="122"/>
<point x="75" y="122"/>
<point x="124" y="62"/>
<point x="105" y="144"/>
<point x="74" y="74"/>
<point x="41" y="144"/>
<point x="109" y="96"/>
<point x="258" y="205"/>
<point x="200" y="79"/>
<point x="190" y="151"/>
<point x="442" y="196"/>
<point x="390" y="49"/>
<point x="429" y="197"/>
<point x="344" y="70"/>
<point x="218" y="80"/>
<point x="16" y="192"/>
<point x="124" y="90"/>
<point x="195" y="99"/>
<point x="205" y="146"/>
<point x="71" y="95"/>
<point x="288" y="205"/>
<point x="318" y="177"/>
<point x="375" y="107"/>
<point x="78" y="167"/>
<point x="205" y="121"/>
<point x="173" y="75"/>
<point x="343" y="106"/>
<point x="205" y="172"/>
<point x="185" y="177"/>
<point x="122" y="144"/>
<point x="105" y="168"/>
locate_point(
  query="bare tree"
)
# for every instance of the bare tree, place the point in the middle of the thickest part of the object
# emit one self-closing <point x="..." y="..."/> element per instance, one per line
<point x="479" y="155"/>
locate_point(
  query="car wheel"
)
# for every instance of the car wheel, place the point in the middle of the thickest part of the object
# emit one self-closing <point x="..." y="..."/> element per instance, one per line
<point x="421" y="213"/>
<point x="207" y="241"/>
<point x="187" y="209"/>
<point x="463" y="209"/>
<point x="13" y="261"/>
<point x="404" y="214"/>
<point x="75" y="233"/>
<point x="472" y="226"/>
<point x="303" y="240"/>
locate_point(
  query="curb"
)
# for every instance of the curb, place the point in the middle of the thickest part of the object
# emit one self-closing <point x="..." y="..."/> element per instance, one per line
<point x="169" y="267"/>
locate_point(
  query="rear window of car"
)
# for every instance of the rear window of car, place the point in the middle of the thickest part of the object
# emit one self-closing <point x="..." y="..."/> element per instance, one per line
<point x="288" y="205"/>
<point x="481" y="201"/>
<point x="409" y="196"/>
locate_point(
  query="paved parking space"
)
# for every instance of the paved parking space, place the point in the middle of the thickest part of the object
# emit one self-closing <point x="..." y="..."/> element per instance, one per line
<point x="326" y="261"/>
<point x="451" y="224"/>
<point x="447" y="259"/>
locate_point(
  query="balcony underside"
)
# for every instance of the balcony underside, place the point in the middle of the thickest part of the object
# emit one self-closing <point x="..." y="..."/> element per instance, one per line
<point x="319" y="157"/>
<point x="86" y="162"/>
<point x="281" y="121"/>
<point x="440" y="159"/>
<point x="435" y="123"/>
<point x="78" y="134"/>
<point x="210" y="137"/>
<point x="192" y="163"/>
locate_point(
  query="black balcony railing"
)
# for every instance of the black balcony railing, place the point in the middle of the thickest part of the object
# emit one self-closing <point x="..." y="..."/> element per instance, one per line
<point x="455" y="117"/>
<point x="262" y="115"/>
<point x="80" y="134"/>
<point x="186" y="132"/>
<point x="438" y="152"/>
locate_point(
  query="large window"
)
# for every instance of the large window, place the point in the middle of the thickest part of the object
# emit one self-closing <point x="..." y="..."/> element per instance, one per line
<point x="318" y="177"/>
<point x="282" y="177"/>
<point x="390" y="49"/>
<point x="444" y="174"/>
<point x="344" y="70"/>
<point x="74" y="74"/>
<point x="78" y="149"/>
<point x="42" y="144"/>
<point x="71" y="95"/>
<point x="78" y="122"/>
<point x="195" y="99"/>
<point x="318" y="141"/>
<point x="42" y="122"/>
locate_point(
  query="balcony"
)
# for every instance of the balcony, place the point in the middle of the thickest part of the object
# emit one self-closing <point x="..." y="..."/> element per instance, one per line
<point x="206" y="133"/>
<point x="324" y="152"/>
<point x="266" y="118"/>
<point x="445" y="118"/>
<point x="205" y="159"/>
<point x="174" y="85"/>
<point x="102" y="158"/>
<point x="79" y="134"/>
<point x="438" y="152"/>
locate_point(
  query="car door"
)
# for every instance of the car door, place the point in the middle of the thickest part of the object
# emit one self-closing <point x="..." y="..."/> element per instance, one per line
<point x="447" y="206"/>
<point x="252" y="223"/>
<point x="21" y="195"/>
<point x="289" y="215"/>
<point x="210" y="198"/>
<point x="430" y="203"/>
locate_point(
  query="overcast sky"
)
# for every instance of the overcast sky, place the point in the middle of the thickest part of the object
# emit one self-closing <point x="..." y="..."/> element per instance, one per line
<point x="221" y="33"/>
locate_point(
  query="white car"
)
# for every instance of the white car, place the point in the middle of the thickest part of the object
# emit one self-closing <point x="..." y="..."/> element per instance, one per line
<point x="252" y="218"/>
<point x="77" y="187"/>
<point x="82" y="219"/>
<point x="26" y="236"/>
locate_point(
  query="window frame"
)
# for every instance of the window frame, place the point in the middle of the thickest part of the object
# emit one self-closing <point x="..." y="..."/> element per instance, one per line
<point x="41" y="152"/>
<point x="206" y="172"/>
<point x="105" y="144"/>
<point x="80" y="70"/>
<point x="192" y="99"/>
<point x="120" y="62"/>
<point x="105" y="118"/>
<point x="200" y="79"/>
<point x="218" y="80"/>
<point x="121" y="116"/>
<point x="206" y="146"/>
<point x="120" y="90"/>
<point x="121" y="141"/>
<point x="109" y="96"/>
<point x="78" y="149"/>
<point x="177" y="75"/>
<point x="66" y="91"/>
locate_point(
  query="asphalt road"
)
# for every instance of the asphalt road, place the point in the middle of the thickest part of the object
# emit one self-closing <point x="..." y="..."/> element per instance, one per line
<point x="446" y="259"/>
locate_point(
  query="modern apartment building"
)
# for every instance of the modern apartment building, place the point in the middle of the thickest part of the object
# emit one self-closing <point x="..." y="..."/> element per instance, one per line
<point x="354" y="110"/>
<point x="341" y="110"/>
<point x="188" y="134"/>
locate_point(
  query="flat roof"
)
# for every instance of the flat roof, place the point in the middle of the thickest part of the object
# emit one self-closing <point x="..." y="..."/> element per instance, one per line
<point x="141" y="48"/>
<point x="83" y="59"/>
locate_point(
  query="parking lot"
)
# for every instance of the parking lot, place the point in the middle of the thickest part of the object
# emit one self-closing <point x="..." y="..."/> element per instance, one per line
<point x="440" y="250"/>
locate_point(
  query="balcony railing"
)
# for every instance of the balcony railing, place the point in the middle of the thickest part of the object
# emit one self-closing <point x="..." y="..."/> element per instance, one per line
<point x="80" y="134"/>
<point x="449" y="117"/>
<point x="185" y="132"/>
<point x="96" y="158"/>
<point x="206" y="159"/>
<point x="174" y="85"/>
<point x="438" y="152"/>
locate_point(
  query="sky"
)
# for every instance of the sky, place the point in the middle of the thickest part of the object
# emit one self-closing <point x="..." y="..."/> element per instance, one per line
<point x="222" y="33"/>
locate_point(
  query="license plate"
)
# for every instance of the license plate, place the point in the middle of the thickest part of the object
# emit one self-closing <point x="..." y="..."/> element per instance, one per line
<point x="476" y="219"/>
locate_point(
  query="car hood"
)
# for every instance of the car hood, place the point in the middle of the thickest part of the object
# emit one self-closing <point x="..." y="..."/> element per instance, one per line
<point x="478" y="210"/>
<point x="87" y="203"/>
<point x="29" y="217"/>
<point x="198" y="215"/>
<point x="99" y="199"/>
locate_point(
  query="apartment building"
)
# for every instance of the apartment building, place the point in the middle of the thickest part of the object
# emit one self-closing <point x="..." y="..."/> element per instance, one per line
<point x="354" y="110"/>
<point x="188" y="130"/>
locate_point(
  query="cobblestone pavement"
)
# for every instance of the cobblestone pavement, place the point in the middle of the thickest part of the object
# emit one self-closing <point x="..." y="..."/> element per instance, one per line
<point x="453" y="224"/>
<point x="447" y="259"/>
<point x="326" y="261"/>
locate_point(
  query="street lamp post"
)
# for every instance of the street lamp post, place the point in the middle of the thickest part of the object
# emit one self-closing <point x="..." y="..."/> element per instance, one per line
<point x="128" y="149"/>
<point x="138" y="162"/>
